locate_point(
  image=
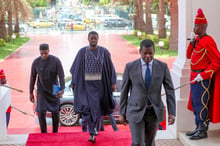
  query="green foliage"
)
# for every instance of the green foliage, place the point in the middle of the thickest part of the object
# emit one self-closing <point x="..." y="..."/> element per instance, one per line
<point x="36" y="11"/>
<point x="104" y="2"/>
<point x="153" y="37"/>
<point x="38" y="3"/>
<point x="17" y="35"/>
<point x="8" y="37"/>
<point x="135" y="32"/>
<point x="132" y="39"/>
<point x="143" y="36"/>
<point x="2" y="43"/>
<point x="86" y="2"/>
<point x="158" y="52"/>
<point x="10" y="47"/>
<point x="166" y="43"/>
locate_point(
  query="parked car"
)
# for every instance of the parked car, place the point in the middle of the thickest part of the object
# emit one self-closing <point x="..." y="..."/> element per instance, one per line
<point x="41" y="23"/>
<point x="93" y="20"/>
<point x="77" y="25"/>
<point x="67" y="115"/>
<point x="75" y="17"/>
<point x="117" y="22"/>
<point x="62" y="23"/>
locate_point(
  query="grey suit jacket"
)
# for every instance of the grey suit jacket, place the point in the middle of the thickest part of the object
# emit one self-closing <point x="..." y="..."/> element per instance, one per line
<point x="134" y="106"/>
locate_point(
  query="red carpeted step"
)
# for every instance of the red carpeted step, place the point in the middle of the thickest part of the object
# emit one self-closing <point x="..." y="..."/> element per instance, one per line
<point x="105" y="138"/>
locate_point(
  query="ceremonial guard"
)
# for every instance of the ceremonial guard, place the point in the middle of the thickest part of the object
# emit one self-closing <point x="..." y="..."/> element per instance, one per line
<point x="205" y="63"/>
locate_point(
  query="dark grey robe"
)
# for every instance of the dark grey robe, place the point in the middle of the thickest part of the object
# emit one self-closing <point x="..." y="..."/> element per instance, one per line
<point x="47" y="73"/>
<point x="93" y="97"/>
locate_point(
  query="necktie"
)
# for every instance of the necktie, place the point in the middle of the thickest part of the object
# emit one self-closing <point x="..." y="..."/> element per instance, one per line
<point x="147" y="80"/>
<point x="147" y="76"/>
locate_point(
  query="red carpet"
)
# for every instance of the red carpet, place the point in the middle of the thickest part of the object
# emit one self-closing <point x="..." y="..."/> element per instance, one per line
<point x="72" y="136"/>
<point x="105" y="138"/>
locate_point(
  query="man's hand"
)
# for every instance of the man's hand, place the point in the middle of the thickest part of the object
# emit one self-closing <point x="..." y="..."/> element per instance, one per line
<point x="198" y="78"/>
<point x="123" y="120"/>
<point x="32" y="98"/>
<point x="72" y="86"/>
<point x="59" y="94"/>
<point x="113" y="87"/>
<point x="171" y="119"/>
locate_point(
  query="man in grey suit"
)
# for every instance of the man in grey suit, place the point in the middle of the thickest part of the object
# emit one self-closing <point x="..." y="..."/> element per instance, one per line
<point x="144" y="109"/>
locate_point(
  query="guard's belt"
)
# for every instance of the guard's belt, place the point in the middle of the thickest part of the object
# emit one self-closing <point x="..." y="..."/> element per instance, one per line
<point x="198" y="71"/>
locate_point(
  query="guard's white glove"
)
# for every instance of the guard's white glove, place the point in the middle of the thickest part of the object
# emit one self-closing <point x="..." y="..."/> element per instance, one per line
<point x="192" y="39"/>
<point x="192" y="36"/>
<point x="198" y="78"/>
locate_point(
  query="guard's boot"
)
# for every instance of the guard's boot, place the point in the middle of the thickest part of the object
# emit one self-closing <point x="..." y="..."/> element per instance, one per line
<point x="190" y="133"/>
<point x="200" y="134"/>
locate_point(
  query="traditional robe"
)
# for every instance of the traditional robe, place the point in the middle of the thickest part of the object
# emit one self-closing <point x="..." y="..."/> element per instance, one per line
<point x="47" y="72"/>
<point x="93" y="75"/>
<point x="205" y="57"/>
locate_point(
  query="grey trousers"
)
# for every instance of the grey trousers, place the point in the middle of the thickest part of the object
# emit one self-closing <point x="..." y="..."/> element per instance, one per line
<point x="143" y="133"/>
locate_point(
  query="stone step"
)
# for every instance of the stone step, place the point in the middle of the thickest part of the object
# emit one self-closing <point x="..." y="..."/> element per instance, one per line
<point x="14" y="140"/>
<point x="212" y="140"/>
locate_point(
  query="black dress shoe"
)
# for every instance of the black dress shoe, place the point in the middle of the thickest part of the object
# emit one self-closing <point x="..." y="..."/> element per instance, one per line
<point x="92" y="139"/>
<point x="199" y="135"/>
<point x="190" y="133"/>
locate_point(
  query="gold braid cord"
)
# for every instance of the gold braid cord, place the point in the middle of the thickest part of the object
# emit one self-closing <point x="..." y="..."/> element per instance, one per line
<point x="205" y="105"/>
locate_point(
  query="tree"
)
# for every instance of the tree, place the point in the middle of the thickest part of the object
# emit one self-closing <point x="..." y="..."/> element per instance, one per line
<point x="2" y="19"/>
<point x="162" y="20"/>
<point x="40" y="3"/>
<point x="173" y="44"/>
<point x="14" y="9"/>
<point x="23" y="9"/>
<point x="10" y="31"/>
<point x="141" y="20"/>
<point x="136" y="14"/>
<point x="148" y="25"/>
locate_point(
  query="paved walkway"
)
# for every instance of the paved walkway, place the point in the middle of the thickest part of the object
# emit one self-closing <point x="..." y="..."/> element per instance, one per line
<point x="65" y="46"/>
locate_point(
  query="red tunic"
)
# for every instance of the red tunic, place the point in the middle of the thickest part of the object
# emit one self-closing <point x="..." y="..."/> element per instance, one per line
<point x="205" y="57"/>
<point x="9" y="109"/>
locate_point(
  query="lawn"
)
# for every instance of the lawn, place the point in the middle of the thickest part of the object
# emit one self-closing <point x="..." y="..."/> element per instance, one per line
<point x="10" y="47"/>
<point x="158" y="52"/>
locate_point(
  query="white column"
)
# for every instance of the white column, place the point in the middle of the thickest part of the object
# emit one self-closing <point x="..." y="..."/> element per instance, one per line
<point x="5" y="101"/>
<point x="181" y="67"/>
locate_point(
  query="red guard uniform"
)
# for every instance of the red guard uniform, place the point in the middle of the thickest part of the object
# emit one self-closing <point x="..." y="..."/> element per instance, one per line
<point x="205" y="60"/>
<point x="2" y="77"/>
<point x="205" y="57"/>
